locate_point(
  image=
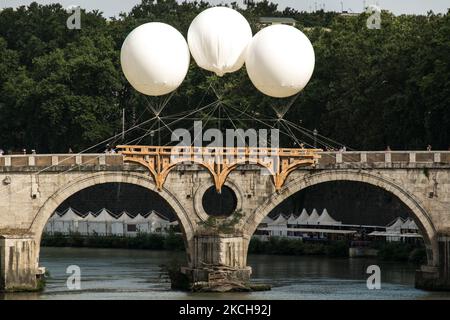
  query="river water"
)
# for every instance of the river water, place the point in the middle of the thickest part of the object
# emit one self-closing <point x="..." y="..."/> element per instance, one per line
<point x="135" y="274"/>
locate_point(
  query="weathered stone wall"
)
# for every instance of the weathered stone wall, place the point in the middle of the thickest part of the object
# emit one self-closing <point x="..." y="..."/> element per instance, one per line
<point x="18" y="263"/>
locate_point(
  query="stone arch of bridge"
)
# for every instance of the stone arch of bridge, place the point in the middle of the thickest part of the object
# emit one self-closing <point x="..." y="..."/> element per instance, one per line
<point x="419" y="213"/>
<point x="143" y="180"/>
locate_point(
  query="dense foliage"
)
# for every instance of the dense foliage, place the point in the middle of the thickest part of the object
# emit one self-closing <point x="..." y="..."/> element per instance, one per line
<point x="62" y="88"/>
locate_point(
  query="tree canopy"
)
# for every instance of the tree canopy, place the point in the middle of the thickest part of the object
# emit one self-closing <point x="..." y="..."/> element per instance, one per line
<point x="62" y="88"/>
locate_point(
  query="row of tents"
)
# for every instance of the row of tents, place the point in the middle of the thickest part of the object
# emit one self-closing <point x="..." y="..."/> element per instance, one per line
<point x="323" y="226"/>
<point x="303" y="219"/>
<point x="398" y="230"/>
<point x="104" y="222"/>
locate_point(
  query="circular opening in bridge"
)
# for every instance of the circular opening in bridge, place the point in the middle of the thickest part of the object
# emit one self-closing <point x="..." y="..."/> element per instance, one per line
<point x="220" y="204"/>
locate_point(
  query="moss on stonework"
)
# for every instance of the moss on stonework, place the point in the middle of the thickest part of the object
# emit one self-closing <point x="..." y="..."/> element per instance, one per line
<point x="222" y="225"/>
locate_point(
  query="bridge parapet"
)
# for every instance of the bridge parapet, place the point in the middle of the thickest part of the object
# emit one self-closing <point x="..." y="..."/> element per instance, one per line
<point x="328" y="160"/>
<point x="57" y="162"/>
<point x="384" y="159"/>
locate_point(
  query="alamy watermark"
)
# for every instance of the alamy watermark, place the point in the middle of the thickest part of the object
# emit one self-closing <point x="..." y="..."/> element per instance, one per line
<point x="374" y="280"/>
<point x="74" y="20"/>
<point x="212" y="146"/>
<point x="74" y="280"/>
<point x="374" y="20"/>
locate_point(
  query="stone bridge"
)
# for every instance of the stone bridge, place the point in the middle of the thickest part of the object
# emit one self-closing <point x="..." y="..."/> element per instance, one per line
<point x="33" y="186"/>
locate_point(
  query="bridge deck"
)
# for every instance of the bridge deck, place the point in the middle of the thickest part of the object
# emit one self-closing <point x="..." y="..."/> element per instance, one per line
<point x="328" y="160"/>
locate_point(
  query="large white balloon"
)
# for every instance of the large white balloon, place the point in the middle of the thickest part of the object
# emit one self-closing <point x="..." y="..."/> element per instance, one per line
<point x="218" y="38"/>
<point x="280" y="61"/>
<point x="155" y="58"/>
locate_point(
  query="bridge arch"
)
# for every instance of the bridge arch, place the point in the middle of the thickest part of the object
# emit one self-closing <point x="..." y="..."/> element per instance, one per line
<point x="139" y="179"/>
<point x="420" y="214"/>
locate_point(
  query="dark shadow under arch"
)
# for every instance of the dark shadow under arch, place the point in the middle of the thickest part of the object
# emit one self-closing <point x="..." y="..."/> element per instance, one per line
<point x="118" y="197"/>
<point x="419" y="213"/>
<point x="350" y="202"/>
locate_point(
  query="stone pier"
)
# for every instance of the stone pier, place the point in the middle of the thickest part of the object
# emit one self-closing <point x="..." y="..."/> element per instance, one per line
<point x="18" y="263"/>
<point x="219" y="259"/>
<point x="436" y="278"/>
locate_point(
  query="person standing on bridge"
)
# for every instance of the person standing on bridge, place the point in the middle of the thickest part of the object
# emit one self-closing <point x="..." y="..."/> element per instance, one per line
<point x="108" y="149"/>
<point x="429" y="147"/>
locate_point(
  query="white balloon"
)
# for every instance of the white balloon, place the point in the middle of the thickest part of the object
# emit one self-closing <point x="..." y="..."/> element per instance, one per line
<point x="155" y="58"/>
<point x="218" y="38"/>
<point x="280" y="61"/>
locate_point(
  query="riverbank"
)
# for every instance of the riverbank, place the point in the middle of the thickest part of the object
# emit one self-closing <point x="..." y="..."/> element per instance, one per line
<point x="387" y="251"/>
<point x="142" y="241"/>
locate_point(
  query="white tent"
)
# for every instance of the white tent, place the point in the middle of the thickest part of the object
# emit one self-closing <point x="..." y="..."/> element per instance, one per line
<point x="83" y="224"/>
<point x="70" y="219"/>
<point x="143" y="224"/>
<point x="409" y="224"/>
<point x="292" y="219"/>
<point x="412" y="225"/>
<point x="57" y="224"/>
<point x="326" y="219"/>
<point x="103" y="221"/>
<point x="303" y="217"/>
<point x="128" y="223"/>
<point x="51" y="221"/>
<point x="104" y="215"/>
<point x="267" y="220"/>
<point x="395" y="226"/>
<point x="280" y="220"/>
<point x="394" y="230"/>
<point x="313" y="217"/>
<point x="278" y="226"/>
<point x="157" y="222"/>
<point x="118" y="224"/>
<point x="96" y="225"/>
<point x="64" y="222"/>
<point x="124" y="217"/>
